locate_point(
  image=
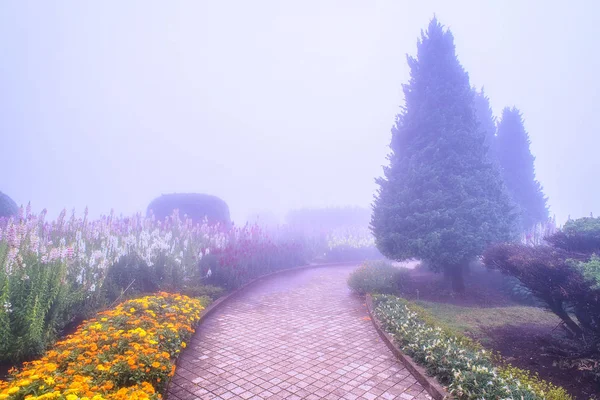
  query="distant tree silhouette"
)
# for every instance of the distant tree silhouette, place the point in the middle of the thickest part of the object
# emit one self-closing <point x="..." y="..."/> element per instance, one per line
<point x="8" y="207"/>
<point x="487" y="121"/>
<point x="517" y="166"/>
<point x="440" y="199"/>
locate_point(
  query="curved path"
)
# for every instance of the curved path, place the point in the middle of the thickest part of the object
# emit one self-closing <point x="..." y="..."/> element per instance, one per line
<point x="301" y="335"/>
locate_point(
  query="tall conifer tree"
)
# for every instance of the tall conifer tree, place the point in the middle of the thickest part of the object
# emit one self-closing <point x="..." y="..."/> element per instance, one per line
<point x="440" y="198"/>
<point x="517" y="166"/>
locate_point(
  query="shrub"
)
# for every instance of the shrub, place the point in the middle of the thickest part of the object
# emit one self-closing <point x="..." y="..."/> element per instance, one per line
<point x="554" y="277"/>
<point x="8" y="207"/>
<point x="581" y="235"/>
<point x="458" y="362"/>
<point x="195" y="206"/>
<point x="130" y="273"/>
<point x="377" y="277"/>
<point x="124" y="353"/>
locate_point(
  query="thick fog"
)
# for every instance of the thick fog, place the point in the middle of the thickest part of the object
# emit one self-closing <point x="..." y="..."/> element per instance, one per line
<point x="272" y="105"/>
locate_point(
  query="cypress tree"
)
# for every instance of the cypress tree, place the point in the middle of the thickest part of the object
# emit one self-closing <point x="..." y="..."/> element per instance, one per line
<point x="487" y="121"/>
<point x="440" y="199"/>
<point x="517" y="167"/>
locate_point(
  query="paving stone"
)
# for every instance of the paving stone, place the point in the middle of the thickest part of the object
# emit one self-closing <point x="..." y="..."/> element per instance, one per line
<point x="298" y="336"/>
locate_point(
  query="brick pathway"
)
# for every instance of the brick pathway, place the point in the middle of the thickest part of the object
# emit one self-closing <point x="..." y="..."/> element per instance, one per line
<point x="298" y="336"/>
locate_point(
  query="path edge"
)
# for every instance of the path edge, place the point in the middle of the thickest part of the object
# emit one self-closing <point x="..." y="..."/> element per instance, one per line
<point x="433" y="387"/>
<point x="242" y="289"/>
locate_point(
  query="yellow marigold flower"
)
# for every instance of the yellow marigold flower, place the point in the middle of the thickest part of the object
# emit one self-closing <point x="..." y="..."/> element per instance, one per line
<point x="13" y="390"/>
<point x="72" y="397"/>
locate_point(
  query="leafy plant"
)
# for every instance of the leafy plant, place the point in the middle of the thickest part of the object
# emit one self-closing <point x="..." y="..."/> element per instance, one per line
<point x="550" y="275"/>
<point x="581" y="235"/>
<point x="377" y="277"/>
<point x="467" y="369"/>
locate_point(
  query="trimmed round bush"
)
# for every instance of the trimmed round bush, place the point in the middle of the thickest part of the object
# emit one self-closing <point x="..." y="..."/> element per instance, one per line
<point x="377" y="277"/>
<point x="8" y="207"/>
<point x="196" y="206"/>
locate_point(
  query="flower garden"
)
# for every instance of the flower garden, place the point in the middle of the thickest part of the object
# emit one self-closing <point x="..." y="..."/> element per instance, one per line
<point x="106" y="281"/>
<point x="124" y="353"/>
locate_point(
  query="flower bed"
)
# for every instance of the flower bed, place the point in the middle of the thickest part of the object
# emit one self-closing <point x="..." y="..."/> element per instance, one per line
<point x="53" y="273"/>
<point x="467" y="369"/>
<point x="124" y="353"/>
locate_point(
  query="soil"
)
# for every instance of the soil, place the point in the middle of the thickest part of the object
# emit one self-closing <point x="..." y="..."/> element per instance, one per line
<point x="484" y="289"/>
<point x="527" y="347"/>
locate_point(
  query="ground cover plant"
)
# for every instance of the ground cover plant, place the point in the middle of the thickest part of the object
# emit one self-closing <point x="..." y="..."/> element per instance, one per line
<point x="124" y="353"/>
<point x="469" y="371"/>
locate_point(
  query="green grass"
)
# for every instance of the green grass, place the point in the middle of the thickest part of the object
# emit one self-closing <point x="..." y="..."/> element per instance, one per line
<point x="473" y="322"/>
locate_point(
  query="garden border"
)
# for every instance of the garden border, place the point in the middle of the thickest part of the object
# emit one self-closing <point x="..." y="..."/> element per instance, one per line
<point x="431" y="384"/>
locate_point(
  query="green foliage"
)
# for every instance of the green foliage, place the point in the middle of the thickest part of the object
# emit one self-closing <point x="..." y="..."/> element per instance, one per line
<point x="580" y="235"/>
<point x="8" y="207"/>
<point x="196" y="206"/>
<point x="556" y="279"/>
<point x="377" y="277"/>
<point x="129" y="274"/>
<point x="467" y="369"/>
<point x="36" y="304"/>
<point x="441" y="199"/>
<point x="203" y="291"/>
<point x="487" y="122"/>
<point x="518" y="172"/>
<point x="591" y="271"/>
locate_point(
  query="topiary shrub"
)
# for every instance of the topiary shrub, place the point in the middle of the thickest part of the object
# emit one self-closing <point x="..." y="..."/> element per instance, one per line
<point x="377" y="277"/>
<point x="8" y="207"/>
<point x="196" y="206"/>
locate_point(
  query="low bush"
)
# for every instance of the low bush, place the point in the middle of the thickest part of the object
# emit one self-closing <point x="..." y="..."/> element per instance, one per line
<point x="125" y="353"/>
<point x="461" y="364"/>
<point x="566" y="286"/>
<point x="377" y="277"/>
<point x="196" y="206"/>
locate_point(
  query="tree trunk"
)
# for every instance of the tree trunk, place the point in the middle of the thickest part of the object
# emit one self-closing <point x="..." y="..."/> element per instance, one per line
<point x="564" y="316"/>
<point x="457" y="276"/>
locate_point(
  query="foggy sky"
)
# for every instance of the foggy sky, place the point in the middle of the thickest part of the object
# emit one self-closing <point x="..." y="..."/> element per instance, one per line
<point x="272" y="105"/>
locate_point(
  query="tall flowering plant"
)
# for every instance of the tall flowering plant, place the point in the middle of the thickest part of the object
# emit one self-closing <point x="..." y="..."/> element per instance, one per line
<point x="53" y="272"/>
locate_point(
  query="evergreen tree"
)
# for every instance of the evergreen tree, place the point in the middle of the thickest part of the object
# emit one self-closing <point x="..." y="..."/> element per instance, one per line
<point x="440" y="199"/>
<point x="487" y="121"/>
<point x="518" y="171"/>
